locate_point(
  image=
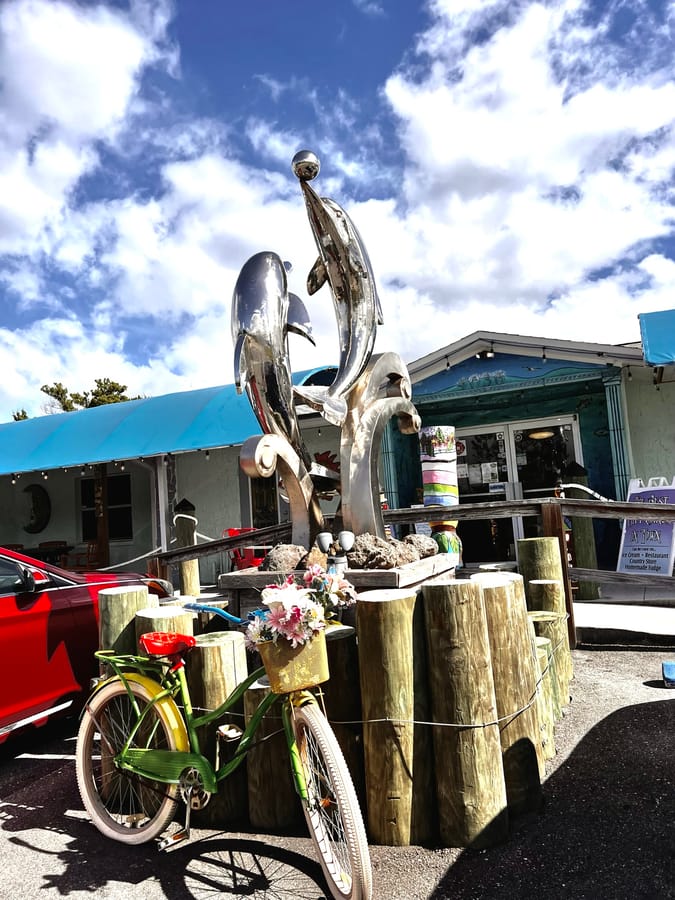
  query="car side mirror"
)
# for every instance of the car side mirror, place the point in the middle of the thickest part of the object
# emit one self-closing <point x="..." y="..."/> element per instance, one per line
<point x="28" y="581"/>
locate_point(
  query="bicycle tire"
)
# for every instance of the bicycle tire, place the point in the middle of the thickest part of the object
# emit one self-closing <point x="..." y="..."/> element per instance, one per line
<point x="122" y="805"/>
<point x="332" y="809"/>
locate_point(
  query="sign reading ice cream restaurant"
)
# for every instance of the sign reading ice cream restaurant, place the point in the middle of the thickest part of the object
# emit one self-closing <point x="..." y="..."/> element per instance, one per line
<point x="648" y="547"/>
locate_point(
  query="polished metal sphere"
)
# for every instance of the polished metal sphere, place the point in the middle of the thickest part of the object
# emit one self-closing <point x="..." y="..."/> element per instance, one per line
<point x="306" y="165"/>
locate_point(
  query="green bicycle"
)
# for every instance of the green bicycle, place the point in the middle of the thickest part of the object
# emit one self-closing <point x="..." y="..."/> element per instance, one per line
<point x="138" y="756"/>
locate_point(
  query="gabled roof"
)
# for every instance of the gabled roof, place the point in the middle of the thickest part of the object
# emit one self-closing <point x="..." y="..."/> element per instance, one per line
<point x="523" y="345"/>
<point x="173" y="423"/>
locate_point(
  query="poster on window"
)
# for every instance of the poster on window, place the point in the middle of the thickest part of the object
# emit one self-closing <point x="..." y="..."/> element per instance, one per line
<point x="648" y="546"/>
<point x="438" y="455"/>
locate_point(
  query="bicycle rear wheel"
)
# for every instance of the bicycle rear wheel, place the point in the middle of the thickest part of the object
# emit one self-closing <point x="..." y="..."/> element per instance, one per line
<point x="122" y="805"/>
<point x="332" y="810"/>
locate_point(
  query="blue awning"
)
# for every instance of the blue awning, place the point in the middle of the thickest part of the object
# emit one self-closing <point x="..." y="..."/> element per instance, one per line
<point x="173" y="423"/>
<point x="657" y="330"/>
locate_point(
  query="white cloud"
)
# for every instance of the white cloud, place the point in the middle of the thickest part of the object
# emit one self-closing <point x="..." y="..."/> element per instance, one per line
<point x="532" y="157"/>
<point x="515" y="190"/>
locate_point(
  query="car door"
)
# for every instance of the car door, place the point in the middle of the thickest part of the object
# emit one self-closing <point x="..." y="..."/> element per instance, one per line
<point x="34" y="627"/>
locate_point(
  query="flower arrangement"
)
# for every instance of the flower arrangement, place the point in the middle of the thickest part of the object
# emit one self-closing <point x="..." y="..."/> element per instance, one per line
<point x="297" y="610"/>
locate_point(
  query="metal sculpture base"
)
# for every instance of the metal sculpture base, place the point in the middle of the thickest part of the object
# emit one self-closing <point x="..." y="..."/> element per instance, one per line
<point x="264" y="455"/>
<point x="368" y="416"/>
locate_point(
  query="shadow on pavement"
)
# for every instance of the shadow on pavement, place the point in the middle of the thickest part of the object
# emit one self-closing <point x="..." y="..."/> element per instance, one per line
<point x="216" y="866"/>
<point x="606" y="830"/>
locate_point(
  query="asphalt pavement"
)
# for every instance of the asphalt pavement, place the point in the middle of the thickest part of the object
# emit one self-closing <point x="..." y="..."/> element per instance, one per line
<point x="605" y="831"/>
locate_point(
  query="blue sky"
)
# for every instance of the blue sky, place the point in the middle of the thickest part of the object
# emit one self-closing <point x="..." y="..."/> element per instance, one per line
<point x="509" y="165"/>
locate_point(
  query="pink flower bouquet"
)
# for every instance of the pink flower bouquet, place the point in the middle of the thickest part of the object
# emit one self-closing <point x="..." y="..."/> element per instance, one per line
<point x="295" y="612"/>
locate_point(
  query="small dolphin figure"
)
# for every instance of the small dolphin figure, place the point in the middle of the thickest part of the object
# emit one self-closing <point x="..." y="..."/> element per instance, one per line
<point x="343" y="262"/>
<point x="263" y="312"/>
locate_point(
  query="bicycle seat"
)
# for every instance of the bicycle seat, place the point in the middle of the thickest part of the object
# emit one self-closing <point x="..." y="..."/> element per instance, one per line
<point x="166" y="643"/>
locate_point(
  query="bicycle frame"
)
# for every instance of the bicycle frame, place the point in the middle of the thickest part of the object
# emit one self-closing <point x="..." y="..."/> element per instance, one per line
<point x="166" y="766"/>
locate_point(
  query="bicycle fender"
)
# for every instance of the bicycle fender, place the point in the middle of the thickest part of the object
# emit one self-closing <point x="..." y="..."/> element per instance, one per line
<point x="167" y="705"/>
<point x="301" y="698"/>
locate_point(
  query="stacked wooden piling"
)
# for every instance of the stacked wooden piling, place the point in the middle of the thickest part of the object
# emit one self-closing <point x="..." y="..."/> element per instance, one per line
<point x="445" y="704"/>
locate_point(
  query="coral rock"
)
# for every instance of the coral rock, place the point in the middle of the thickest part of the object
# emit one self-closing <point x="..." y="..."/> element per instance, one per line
<point x="283" y="558"/>
<point x="372" y="552"/>
<point x="425" y="546"/>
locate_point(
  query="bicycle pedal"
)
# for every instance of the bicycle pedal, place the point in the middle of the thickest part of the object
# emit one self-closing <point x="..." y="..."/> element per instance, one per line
<point x="229" y="732"/>
<point x="172" y="839"/>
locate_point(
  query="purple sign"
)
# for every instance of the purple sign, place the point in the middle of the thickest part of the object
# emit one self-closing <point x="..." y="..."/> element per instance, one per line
<point x="647" y="547"/>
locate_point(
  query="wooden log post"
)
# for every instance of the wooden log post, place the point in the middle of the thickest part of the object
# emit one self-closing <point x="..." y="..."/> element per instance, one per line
<point x="186" y="536"/>
<point x="424" y="820"/>
<point x="539" y="620"/>
<point x="214" y="667"/>
<point x="117" y="608"/>
<point x="515" y="673"/>
<point x="386" y="667"/>
<point x="273" y="803"/>
<point x="545" y="699"/>
<point x="162" y="618"/>
<point x="342" y="699"/>
<point x="547" y="596"/>
<point x="546" y="557"/>
<point x="583" y="539"/>
<point x="469" y="774"/>
<point x="539" y="558"/>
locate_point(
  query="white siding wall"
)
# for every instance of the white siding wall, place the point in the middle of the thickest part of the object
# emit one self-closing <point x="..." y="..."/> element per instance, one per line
<point x="651" y="422"/>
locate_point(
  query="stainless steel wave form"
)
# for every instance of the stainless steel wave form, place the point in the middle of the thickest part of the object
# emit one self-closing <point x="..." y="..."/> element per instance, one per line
<point x="366" y="393"/>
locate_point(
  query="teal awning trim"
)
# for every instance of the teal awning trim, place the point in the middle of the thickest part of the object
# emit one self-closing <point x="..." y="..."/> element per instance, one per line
<point x="657" y="330"/>
<point x="173" y="423"/>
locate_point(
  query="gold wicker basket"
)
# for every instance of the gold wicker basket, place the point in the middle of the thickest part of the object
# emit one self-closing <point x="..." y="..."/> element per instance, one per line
<point x="294" y="668"/>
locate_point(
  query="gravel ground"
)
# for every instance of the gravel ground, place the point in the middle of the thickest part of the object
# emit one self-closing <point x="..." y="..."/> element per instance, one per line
<point x="606" y="828"/>
<point x="605" y="831"/>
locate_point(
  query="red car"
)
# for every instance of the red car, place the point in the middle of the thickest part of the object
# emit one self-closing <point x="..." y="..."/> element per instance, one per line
<point x="48" y="635"/>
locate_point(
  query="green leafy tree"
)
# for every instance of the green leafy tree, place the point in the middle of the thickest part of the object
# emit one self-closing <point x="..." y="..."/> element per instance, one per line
<point x="19" y="415"/>
<point x="105" y="392"/>
<point x="60" y="397"/>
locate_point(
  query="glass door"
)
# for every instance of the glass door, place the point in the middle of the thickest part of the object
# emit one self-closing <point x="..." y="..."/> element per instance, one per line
<point x="544" y="451"/>
<point x="520" y="460"/>
<point x="483" y="472"/>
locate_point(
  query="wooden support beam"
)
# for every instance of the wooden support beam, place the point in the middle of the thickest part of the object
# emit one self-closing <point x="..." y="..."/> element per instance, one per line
<point x="553" y="526"/>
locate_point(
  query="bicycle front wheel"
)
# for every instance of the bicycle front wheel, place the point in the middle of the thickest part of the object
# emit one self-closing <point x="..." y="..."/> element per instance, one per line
<point x="122" y="805"/>
<point x="332" y="809"/>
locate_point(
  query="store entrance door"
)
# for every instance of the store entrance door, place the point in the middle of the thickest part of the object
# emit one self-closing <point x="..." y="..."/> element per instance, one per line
<point x="521" y="460"/>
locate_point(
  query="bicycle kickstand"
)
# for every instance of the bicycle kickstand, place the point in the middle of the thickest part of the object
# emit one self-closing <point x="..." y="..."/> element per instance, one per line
<point x="178" y="836"/>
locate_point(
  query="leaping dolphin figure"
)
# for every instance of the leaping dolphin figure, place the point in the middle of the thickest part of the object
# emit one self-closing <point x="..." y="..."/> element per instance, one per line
<point x="343" y="262"/>
<point x="263" y="312"/>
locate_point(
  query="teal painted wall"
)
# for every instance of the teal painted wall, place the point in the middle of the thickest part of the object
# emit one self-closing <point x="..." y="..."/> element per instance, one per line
<point x="505" y="390"/>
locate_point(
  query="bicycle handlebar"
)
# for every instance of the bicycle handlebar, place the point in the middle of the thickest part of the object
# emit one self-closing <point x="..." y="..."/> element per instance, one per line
<point x="204" y="607"/>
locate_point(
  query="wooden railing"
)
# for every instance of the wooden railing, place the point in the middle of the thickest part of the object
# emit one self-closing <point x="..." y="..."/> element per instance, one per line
<point x="551" y="509"/>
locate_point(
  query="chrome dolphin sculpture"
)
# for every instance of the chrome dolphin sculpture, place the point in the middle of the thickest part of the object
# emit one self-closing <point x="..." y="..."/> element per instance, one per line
<point x="343" y="262"/>
<point x="263" y="312"/>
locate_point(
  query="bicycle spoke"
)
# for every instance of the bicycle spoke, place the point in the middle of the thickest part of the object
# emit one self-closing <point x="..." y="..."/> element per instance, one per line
<point x="122" y="804"/>
<point x="331" y="809"/>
